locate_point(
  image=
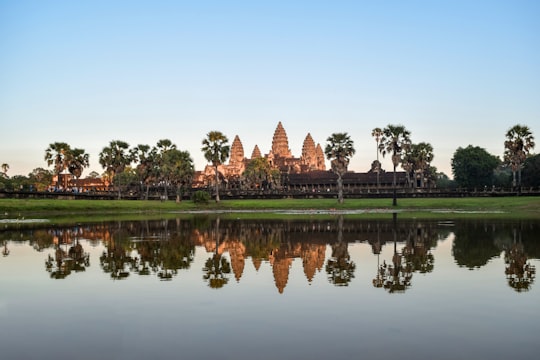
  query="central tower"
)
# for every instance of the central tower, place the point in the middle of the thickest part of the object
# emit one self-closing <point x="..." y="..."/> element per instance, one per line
<point x="280" y="143"/>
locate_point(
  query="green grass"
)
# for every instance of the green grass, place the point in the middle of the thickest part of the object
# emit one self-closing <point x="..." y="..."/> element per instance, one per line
<point x="515" y="207"/>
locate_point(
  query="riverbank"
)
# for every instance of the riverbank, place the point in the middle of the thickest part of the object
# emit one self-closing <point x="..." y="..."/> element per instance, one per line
<point x="507" y="207"/>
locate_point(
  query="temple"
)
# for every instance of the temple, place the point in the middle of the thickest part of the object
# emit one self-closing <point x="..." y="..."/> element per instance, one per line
<point x="279" y="157"/>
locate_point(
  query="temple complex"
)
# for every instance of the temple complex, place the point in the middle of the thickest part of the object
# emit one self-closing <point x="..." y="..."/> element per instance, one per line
<point x="279" y="157"/>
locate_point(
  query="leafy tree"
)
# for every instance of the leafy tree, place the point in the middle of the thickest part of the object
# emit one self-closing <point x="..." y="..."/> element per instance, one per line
<point x="258" y="172"/>
<point x="473" y="167"/>
<point x="473" y="246"/>
<point x="77" y="160"/>
<point x="57" y="154"/>
<point x="531" y="171"/>
<point x="395" y="140"/>
<point x="216" y="151"/>
<point x="339" y="149"/>
<point x="519" y="142"/>
<point x="115" y="158"/>
<point x="178" y="169"/>
<point x="15" y="183"/>
<point x="442" y="181"/>
<point x="502" y="176"/>
<point x="40" y="178"/>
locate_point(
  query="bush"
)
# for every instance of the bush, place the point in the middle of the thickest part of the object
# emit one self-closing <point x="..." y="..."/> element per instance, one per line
<point x="200" y="197"/>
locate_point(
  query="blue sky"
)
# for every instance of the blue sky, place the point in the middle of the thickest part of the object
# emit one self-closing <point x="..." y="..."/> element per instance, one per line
<point x="87" y="72"/>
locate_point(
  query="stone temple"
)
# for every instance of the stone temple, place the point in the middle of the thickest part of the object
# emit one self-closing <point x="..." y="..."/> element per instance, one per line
<point x="279" y="157"/>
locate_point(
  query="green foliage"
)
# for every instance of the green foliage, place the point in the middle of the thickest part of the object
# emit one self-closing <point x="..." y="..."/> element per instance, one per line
<point x="502" y="176"/>
<point x="531" y="171"/>
<point x="201" y="197"/>
<point x="215" y="148"/>
<point x="40" y="178"/>
<point x="473" y="167"/>
<point x="258" y="173"/>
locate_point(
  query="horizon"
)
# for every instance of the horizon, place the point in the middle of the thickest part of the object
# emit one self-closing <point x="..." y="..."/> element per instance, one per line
<point x="454" y="74"/>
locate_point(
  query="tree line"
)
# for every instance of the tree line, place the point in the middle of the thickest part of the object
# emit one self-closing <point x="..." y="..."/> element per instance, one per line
<point x="165" y="166"/>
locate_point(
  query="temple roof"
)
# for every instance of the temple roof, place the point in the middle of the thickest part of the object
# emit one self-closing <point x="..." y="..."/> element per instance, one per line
<point x="280" y="142"/>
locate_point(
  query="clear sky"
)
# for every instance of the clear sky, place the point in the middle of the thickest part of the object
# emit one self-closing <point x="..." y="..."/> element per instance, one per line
<point x="454" y="73"/>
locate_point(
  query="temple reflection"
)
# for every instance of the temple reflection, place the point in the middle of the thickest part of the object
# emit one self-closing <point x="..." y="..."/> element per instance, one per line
<point x="166" y="248"/>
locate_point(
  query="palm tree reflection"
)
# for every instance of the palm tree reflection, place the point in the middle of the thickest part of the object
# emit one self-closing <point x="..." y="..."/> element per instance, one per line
<point x="519" y="273"/>
<point x="395" y="277"/>
<point x="340" y="268"/>
<point x="5" y="250"/>
<point x="217" y="268"/>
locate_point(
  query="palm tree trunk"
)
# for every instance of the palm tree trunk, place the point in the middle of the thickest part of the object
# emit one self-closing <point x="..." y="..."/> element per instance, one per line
<point x="340" y="189"/>
<point x="217" y="184"/>
<point x="519" y="181"/>
<point x="394" y="199"/>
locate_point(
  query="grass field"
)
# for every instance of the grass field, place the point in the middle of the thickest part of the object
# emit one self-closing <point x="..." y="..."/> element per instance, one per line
<point x="502" y="207"/>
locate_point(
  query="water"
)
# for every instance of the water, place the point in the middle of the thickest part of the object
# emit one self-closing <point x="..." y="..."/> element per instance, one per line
<point x="203" y="287"/>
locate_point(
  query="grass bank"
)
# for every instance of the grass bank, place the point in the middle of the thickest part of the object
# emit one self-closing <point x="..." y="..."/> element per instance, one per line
<point x="507" y="207"/>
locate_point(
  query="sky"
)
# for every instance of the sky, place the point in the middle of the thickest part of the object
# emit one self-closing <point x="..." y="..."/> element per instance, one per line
<point x="454" y="73"/>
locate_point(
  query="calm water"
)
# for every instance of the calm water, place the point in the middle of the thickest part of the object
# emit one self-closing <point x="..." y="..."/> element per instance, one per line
<point x="210" y="288"/>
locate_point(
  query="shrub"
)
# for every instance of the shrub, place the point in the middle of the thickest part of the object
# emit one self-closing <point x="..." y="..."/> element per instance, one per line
<point x="201" y="197"/>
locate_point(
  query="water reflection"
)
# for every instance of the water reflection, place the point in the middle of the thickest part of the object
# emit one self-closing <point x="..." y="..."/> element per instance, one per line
<point x="519" y="272"/>
<point x="64" y="262"/>
<point x="165" y="248"/>
<point x="340" y="268"/>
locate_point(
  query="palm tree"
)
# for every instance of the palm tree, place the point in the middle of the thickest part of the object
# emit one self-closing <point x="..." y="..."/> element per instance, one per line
<point x="395" y="139"/>
<point x="57" y="154"/>
<point x="519" y="142"/>
<point x="416" y="160"/>
<point x="377" y="134"/>
<point x="145" y="157"/>
<point x="5" y="168"/>
<point x="423" y="155"/>
<point x="77" y="160"/>
<point x="216" y="151"/>
<point x="339" y="149"/>
<point x="115" y="158"/>
<point x="163" y="146"/>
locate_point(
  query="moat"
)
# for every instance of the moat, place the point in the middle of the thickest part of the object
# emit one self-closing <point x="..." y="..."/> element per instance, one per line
<point x="201" y="287"/>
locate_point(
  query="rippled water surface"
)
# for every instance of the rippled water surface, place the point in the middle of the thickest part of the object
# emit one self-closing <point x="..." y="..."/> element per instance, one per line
<point x="205" y="287"/>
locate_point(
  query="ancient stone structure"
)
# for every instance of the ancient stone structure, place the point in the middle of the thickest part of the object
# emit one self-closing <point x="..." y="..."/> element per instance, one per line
<point x="279" y="157"/>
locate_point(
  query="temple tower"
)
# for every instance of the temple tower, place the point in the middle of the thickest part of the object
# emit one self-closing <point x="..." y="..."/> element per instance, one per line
<point x="280" y="143"/>
<point x="320" y="157"/>
<point x="237" y="152"/>
<point x="256" y="153"/>
<point x="309" y="155"/>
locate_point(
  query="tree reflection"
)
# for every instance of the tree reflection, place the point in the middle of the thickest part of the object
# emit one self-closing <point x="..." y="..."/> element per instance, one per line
<point x="116" y="260"/>
<point x="519" y="273"/>
<point x="63" y="263"/>
<point x="395" y="277"/>
<point x="5" y="250"/>
<point x="417" y="251"/>
<point x="340" y="268"/>
<point x="473" y="245"/>
<point x="217" y="268"/>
